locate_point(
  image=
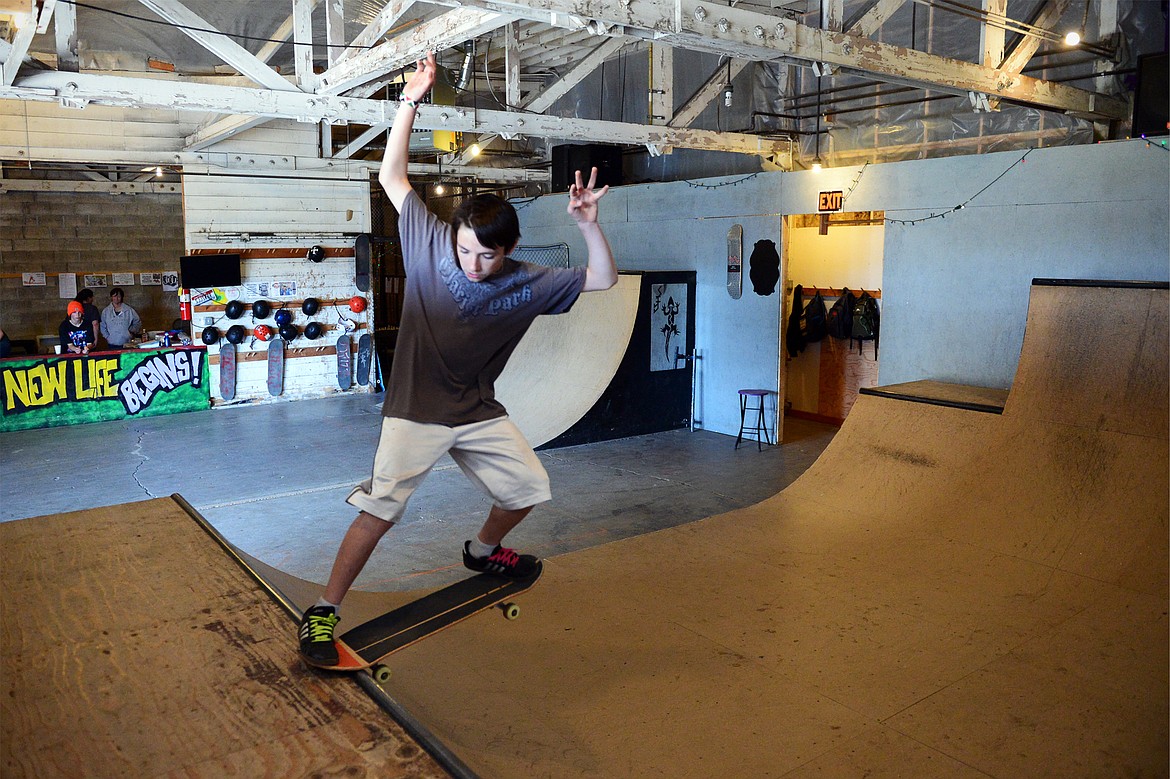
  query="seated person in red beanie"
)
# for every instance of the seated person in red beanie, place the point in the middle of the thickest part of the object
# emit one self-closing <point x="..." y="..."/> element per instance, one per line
<point x="76" y="336"/>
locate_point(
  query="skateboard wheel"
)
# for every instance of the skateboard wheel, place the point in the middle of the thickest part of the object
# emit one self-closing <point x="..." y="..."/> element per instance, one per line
<point x="381" y="673"/>
<point x="511" y="611"/>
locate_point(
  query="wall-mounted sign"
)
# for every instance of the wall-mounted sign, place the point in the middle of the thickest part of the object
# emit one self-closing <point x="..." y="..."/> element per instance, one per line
<point x="33" y="279"/>
<point x="831" y="201"/>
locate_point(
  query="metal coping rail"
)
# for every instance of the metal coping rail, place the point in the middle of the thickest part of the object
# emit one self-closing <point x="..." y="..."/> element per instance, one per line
<point x="414" y="728"/>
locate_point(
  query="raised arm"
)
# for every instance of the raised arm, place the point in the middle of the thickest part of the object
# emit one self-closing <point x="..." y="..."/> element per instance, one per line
<point x="392" y="175"/>
<point x="601" y="271"/>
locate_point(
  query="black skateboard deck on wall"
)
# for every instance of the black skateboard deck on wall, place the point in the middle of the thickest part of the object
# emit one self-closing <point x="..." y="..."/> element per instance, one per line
<point x="366" y="645"/>
<point x="344" y="362"/>
<point x="365" y="355"/>
<point x="361" y="262"/>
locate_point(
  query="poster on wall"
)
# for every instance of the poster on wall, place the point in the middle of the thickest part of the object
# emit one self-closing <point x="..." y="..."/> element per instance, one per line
<point x="94" y="280"/>
<point x="33" y="279"/>
<point x="668" y="317"/>
<point x="123" y="279"/>
<point x="170" y="281"/>
<point x="283" y="289"/>
<point x="67" y="285"/>
<point x="70" y="390"/>
<point x="150" y="279"/>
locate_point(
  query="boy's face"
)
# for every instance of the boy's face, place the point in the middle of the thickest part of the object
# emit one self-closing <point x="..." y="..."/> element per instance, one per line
<point x="75" y="318"/>
<point x="476" y="260"/>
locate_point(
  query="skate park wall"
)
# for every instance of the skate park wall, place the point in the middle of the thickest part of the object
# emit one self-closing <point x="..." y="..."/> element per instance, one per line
<point x="683" y="226"/>
<point x="954" y="290"/>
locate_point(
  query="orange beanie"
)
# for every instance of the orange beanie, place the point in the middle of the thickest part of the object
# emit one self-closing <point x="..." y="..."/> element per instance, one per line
<point x="74" y="306"/>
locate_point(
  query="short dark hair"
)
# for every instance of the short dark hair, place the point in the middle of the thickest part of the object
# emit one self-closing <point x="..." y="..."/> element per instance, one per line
<point x="491" y="218"/>
<point x="85" y="296"/>
<point x="117" y="291"/>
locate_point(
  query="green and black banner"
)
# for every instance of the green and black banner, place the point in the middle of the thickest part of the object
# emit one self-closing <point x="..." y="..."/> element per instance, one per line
<point x="71" y="390"/>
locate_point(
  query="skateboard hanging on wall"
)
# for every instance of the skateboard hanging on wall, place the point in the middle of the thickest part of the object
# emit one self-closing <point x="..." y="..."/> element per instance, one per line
<point x="365" y="355"/>
<point x="368" y="644"/>
<point x="361" y="262"/>
<point x="227" y="370"/>
<point x="344" y="362"/>
<point x="735" y="261"/>
<point x="276" y="366"/>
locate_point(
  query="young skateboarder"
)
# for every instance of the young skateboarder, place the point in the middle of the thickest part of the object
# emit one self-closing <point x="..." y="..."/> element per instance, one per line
<point x="467" y="306"/>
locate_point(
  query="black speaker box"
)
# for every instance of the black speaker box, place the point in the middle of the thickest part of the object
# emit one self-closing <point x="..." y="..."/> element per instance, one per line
<point x="1150" y="104"/>
<point x="567" y="159"/>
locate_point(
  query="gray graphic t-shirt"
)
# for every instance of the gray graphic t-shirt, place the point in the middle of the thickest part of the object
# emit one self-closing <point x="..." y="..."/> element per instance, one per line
<point x="456" y="335"/>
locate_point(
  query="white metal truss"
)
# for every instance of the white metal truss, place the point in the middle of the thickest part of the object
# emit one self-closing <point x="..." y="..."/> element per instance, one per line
<point x="599" y="28"/>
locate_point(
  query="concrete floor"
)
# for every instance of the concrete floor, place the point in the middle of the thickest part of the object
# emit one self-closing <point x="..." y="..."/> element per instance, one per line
<point x="273" y="480"/>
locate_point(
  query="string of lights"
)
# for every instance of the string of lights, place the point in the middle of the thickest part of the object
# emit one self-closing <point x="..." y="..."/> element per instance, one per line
<point x="961" y="206"/>
<point x="856" y="180"/>
<point x="737" y="182"/>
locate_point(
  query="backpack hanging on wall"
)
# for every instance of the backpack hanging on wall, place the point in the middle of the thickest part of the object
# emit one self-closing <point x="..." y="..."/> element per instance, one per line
<point x="839" y="320"/>
<point x="866" y="322"/>
<point x="813" y="321"/>
<point x="794" y="334"/>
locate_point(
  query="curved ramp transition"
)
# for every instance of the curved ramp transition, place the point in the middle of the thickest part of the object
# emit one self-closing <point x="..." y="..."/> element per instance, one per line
<point x="565" y="362"/>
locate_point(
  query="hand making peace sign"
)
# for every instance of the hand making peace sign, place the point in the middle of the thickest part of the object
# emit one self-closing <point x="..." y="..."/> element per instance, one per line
<point x="583" y="199"/>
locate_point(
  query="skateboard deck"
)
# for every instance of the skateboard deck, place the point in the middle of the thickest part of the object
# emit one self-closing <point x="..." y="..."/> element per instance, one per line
<point x="276" y="367"/>
<point x="227" y="370"/>
<point x="344" y="363"/>
<point x="365" y="355"/>
<point x="361" y="262"/>
<point x="735" y="261"/>
<point x="366" y="645"/>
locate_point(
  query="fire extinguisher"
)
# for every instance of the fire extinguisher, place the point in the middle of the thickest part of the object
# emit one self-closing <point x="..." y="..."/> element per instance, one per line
<point x="184" y="304"/>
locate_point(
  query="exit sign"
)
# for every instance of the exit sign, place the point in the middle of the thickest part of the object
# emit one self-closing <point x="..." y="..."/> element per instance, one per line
<point x="831" y="201"/>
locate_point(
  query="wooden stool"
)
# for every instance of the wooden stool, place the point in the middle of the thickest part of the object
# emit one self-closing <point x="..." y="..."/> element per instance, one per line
<point x="761" y="426"/>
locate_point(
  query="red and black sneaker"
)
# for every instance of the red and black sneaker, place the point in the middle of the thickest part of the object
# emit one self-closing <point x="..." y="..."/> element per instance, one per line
<point x="502" y="562"/>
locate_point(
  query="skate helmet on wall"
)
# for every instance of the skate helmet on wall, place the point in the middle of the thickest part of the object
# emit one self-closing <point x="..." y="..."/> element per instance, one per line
<point x="311" y="306"/>
<point x="289" y="332"/>
<point x="234" y="309"/>
<point x="210" y="335"/>
<point x="263" y="332"/>
<point x="357" y="304"/>
<point x="315" y="254"/>
<point x="237" y="333"/>
<point x="283" y="317"/>
<point x="314" y="330"/>
<point x="261" y="309"/>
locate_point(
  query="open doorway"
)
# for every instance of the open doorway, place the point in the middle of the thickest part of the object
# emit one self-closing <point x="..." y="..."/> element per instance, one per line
<point x="826" y="254"/>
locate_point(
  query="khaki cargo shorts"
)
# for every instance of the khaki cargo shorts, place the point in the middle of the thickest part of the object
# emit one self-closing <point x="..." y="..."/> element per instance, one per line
<point x="494" y="455"/>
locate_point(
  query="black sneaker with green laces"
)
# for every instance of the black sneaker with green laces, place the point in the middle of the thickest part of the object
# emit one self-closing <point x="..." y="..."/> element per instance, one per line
<point x="316" y="634"/>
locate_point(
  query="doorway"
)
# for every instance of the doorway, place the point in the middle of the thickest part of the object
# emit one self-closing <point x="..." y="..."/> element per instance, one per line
<point x="828" y="254"/>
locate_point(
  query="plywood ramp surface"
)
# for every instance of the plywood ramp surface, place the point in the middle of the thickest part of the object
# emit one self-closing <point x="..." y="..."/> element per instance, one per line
<point x="131" y="645"/>
<point x="945" y="593"/>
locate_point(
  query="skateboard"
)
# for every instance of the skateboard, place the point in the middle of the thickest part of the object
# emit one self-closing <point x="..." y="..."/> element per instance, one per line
<point x="367" y="645"/>
<point x="735" y="261"/>
<point x="227" y="370"/>
<point x="365" y="355"/>
<point x="276" y="366"/>
<point x="344" y="363"/>
<point x="361" y="262"/>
